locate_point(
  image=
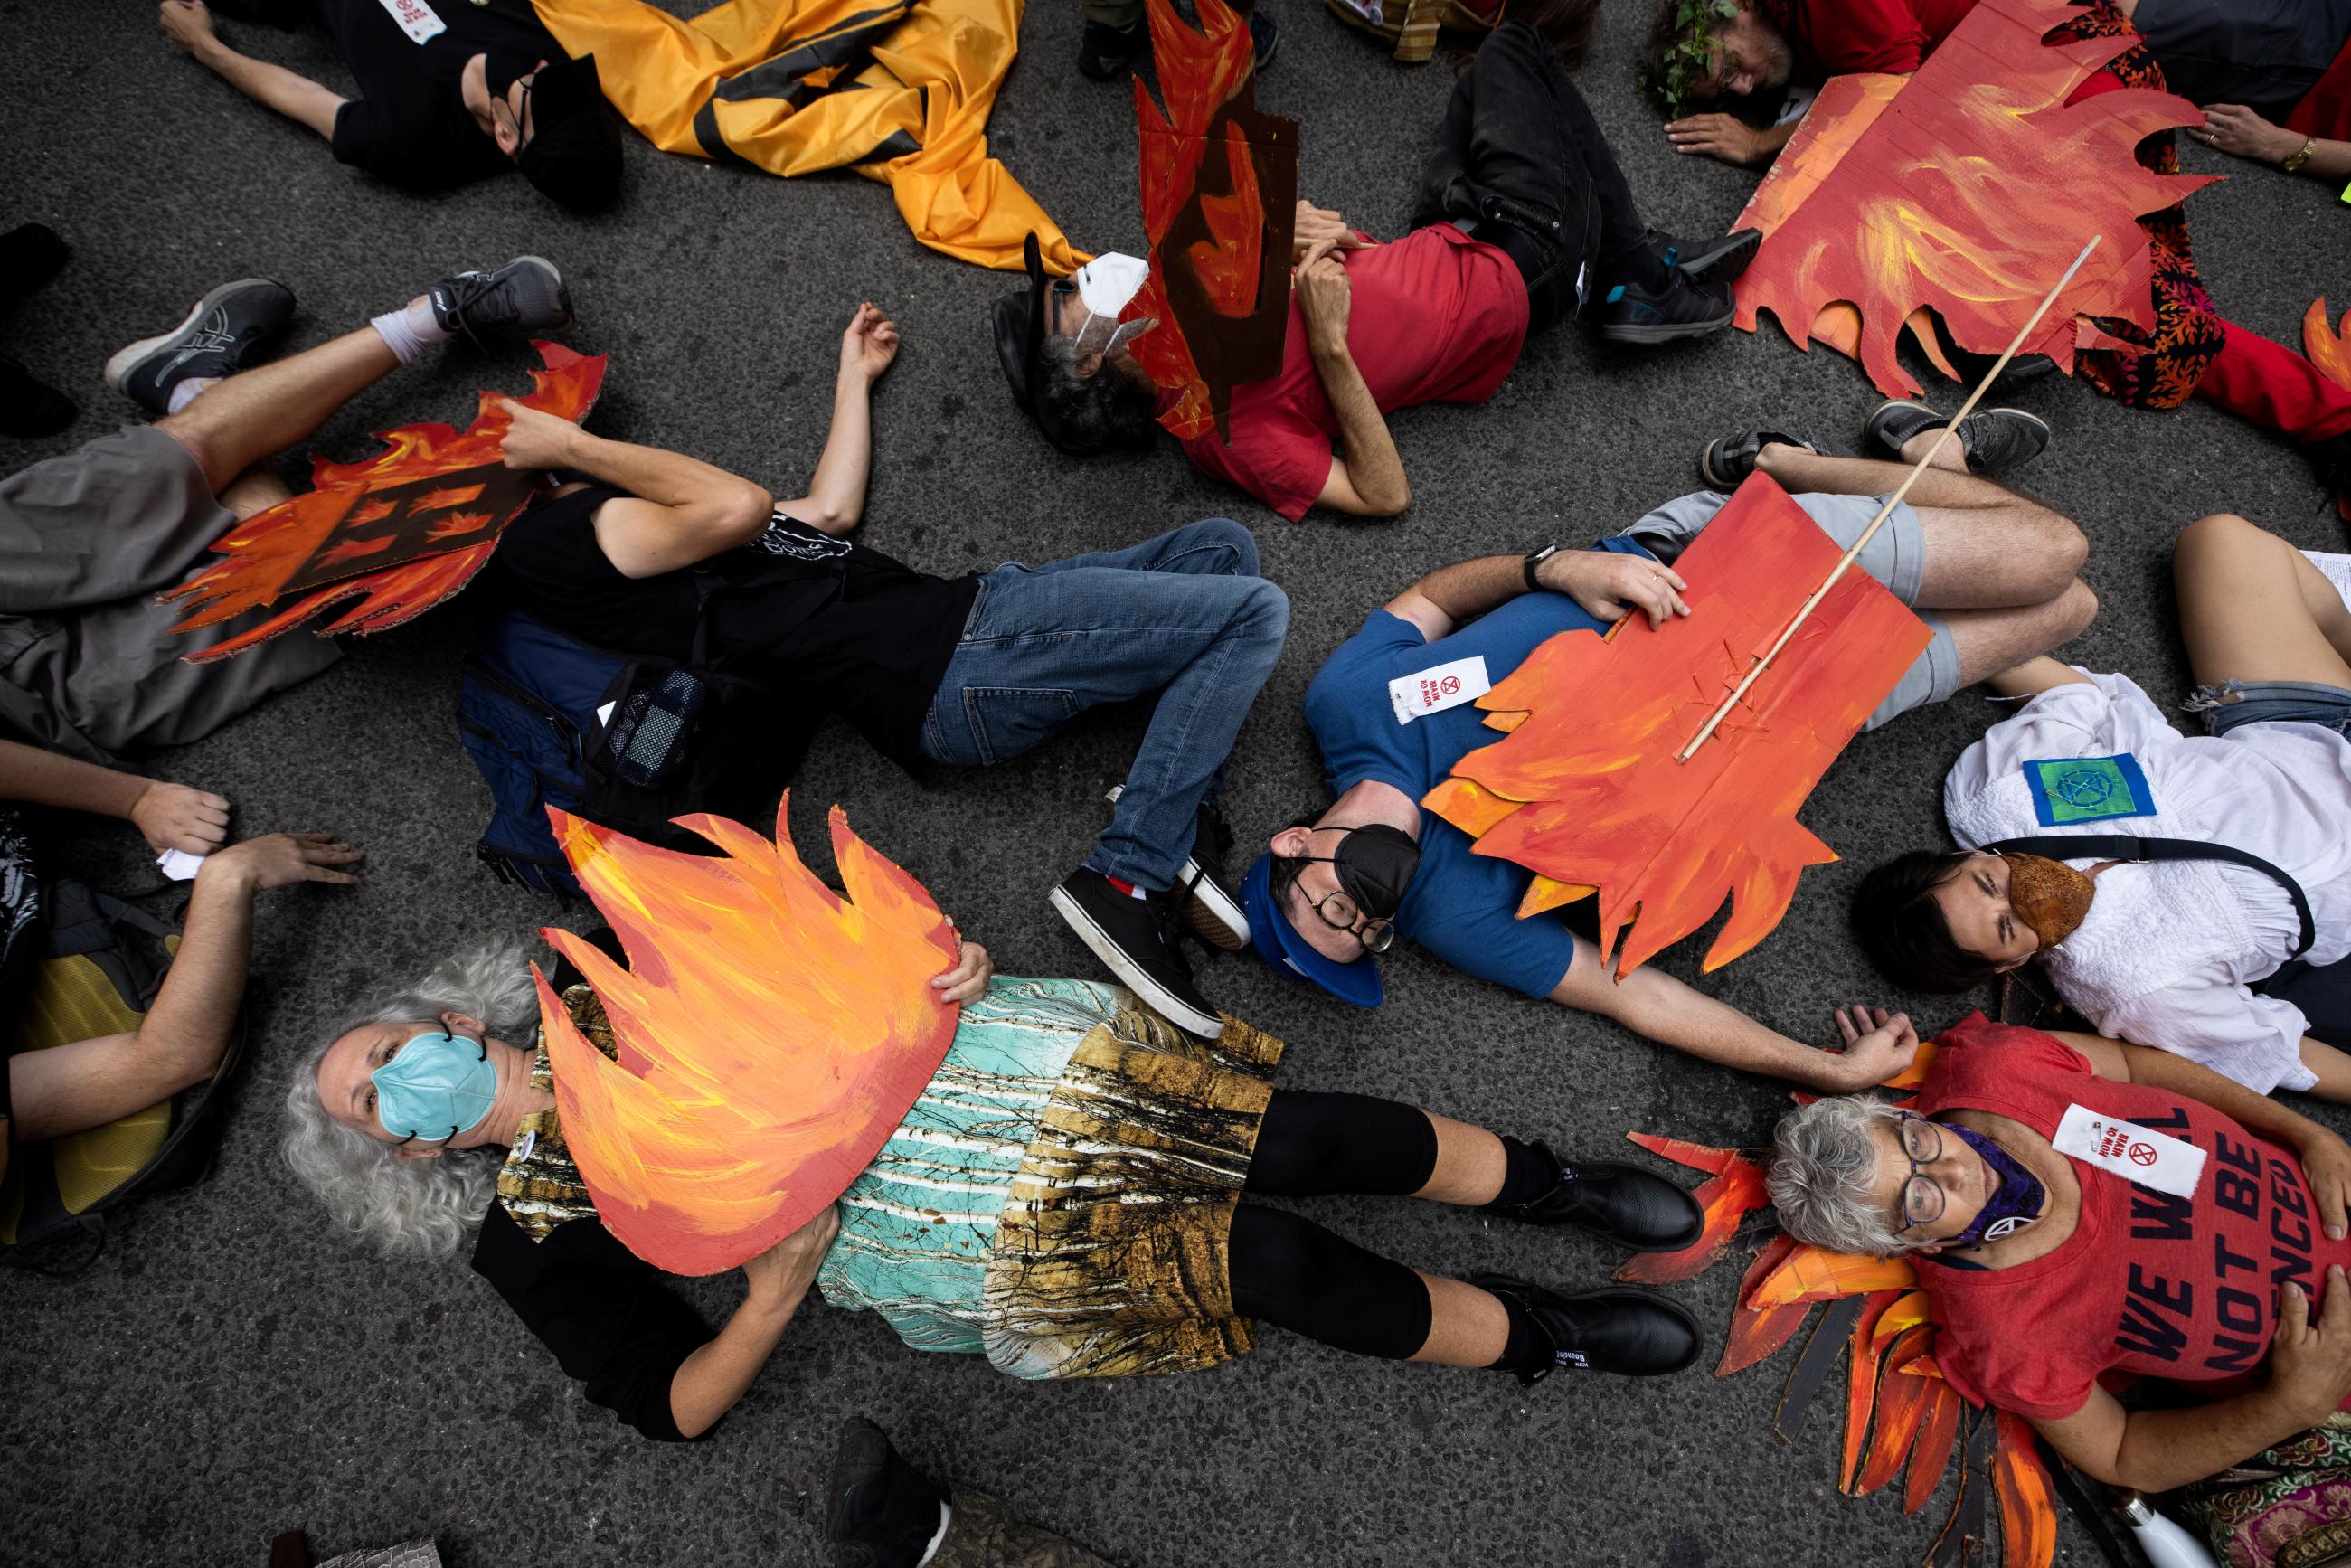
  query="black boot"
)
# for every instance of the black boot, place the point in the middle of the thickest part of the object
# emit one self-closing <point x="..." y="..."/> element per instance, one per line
<point x="880" y="1512"/>
<point x="1634" y="1333"/>
<point x="1618" y="1203"/>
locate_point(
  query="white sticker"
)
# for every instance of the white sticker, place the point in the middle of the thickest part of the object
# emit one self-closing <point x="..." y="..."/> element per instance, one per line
<point x="525" y="1144"/>
<point x="178" y="865"/>
<point x="2151" y="1159"/>
<point x="604" y="713"/>
<point x="417" y="19"/>
<point x="1433" y="691"/>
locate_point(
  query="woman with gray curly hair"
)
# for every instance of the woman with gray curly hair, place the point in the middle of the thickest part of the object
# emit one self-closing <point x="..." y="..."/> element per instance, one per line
<point x="2079" y="1205"/>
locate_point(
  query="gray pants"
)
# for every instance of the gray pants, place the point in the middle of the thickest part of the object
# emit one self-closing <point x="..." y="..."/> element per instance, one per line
<point x="88" y="663"/>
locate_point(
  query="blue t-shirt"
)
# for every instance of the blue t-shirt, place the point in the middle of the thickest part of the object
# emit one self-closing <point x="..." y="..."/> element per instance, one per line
<point x="1462" y="905"/>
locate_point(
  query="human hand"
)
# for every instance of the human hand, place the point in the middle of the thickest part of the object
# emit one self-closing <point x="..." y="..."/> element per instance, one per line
<point x="280" y="860"/>
<point x="1723" y="136"/>
<point x="174" y="817"/>
<point x="2327" y="1170"/>
<point x="968" y="978"/>
<point x="1314" y="224"/>
<point x="781" y="1275"/>
<point x="870" y="346"/>
<point x="1878" y="1045"/>
<point x="2310" y="1363"/>
<point x="1603" y="582"/>
<point x="536" y="440"/>
<point x="189" y="23"/>
<point x="2234" y="128"/>
<point x="1320" y="281"/>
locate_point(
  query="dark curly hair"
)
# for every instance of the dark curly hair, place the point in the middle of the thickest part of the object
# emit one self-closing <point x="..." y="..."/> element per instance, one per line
<point x="1108" y="411"/>
<point x="1899" y="924"/>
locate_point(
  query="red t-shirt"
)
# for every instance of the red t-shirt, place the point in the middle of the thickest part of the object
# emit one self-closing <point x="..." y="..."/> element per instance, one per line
<point x="1434" y="316"/>
<point x="2178" y="1287"/>
<point x="1842" y="37"/>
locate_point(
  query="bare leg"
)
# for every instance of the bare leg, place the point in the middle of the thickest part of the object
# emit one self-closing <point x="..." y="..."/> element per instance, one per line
<point x="1991" y="641"/>
<point x="262" y="412"/>
<point x="1470" y="1166"/>
<point x="257" y="489"/>
<point x="2252" y="608"/>
<point x="1467" y="1326"/>
<point x="2333" y="1070"/>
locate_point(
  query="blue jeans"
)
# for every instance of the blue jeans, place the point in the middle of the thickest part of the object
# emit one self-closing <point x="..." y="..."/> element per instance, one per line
<point x="1185" y="615"/>
<point x="2232" y="703"/>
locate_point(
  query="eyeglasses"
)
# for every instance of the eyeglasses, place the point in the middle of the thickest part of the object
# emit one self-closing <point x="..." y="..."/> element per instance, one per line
<point x="1339" y="911"/>
<point x="1922" y="1145"/>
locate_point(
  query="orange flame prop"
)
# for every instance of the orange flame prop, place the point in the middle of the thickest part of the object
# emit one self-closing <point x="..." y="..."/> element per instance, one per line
<point x="1930" y="1456"/>
<point x="1813" y="1274"/>
<point x="1861" y="1387"/>
<point x="771" y="1033"/>
<point x="1589" y="796"/>
<point x="2028" y="1515"/>
<point x="1901" y="1404"/>
<point x="1964" y="188"/>
<point x="1735" y="1191"/>
<point x="2330" y="351"/>
<point x="1758" y="1333"/>
<point x="269" y="550"/>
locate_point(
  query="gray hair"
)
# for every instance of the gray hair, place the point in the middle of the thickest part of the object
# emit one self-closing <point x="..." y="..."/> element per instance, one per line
<point x="1107" y="411"/>
<point x="412" y="1208"/>
<point x="1823" y="1176"/>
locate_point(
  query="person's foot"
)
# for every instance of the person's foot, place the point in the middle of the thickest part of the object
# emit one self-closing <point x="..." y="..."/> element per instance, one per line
<point x="526" y="295"/>
<point x="30" y="255"/>
<point x="1265" y="36"/>
<point x="1211" y="913"/>
<point x="1717" y="260"/>
<point x="1994" y="439"/>
<point x="217" y="339"/>
<point x="880" y="1512"/>
<point x="1618" y="1329"/>
<point x="1728" y="460"/>
<point x="1106" y="53"/>
<point x="30" y="407"/>
<point x="1682" y="308"/>
<point x="1617" y="1203"/>
<point x="1135" y="939"/>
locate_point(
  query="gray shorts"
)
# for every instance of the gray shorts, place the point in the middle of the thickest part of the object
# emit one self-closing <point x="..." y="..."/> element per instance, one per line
<point x="88" y="661"/>
<point x="1896" y="556"/>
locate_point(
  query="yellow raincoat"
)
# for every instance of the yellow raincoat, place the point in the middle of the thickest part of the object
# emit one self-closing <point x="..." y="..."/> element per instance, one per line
<point x="897" y="89"/>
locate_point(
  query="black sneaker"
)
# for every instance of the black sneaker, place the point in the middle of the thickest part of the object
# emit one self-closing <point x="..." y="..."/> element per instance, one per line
<point x="1726" y="461"/>
<point x="1717" y="260"/>
<point x="1618" y="1203"/>
<point x="526" y="295"/>
<point x="1265" y="36"/>
<point x="1994" y="439"/>
<point x="1684" y="308"/>
<point x="29" y="407"/>
<point x="1618" y="1329"/>
<point x="1135" y="939"/>
<point x="880" y="1512"/>
<point x="1211" y="913"/>
<point x="30" y="255"/>
<point x="217" y="338"/>
<point x="1106" y="53"/>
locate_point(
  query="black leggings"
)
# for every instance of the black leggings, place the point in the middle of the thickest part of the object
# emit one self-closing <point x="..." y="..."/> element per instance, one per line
<point x="1291" y="1272"/>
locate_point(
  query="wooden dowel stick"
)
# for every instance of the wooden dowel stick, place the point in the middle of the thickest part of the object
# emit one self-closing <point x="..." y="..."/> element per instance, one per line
<point x="1853" y="552"/>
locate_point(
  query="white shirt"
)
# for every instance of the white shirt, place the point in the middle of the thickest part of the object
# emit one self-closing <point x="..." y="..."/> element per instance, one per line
<point x="2168" y="951"/>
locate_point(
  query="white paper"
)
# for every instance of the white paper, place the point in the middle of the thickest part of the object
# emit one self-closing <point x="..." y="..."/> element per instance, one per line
<point x="178" y="866"/>
<point x="417" y="19"/>
<point x="1429" y="691"/>
<point x="2152" y="1159"/>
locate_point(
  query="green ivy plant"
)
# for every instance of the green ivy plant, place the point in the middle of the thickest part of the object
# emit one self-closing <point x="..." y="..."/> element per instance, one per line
<point x="1689" y="57"/>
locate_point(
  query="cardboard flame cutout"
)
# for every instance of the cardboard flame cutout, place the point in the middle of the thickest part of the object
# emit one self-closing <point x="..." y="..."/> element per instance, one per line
<point x="2330" y="350"/>
<point x="1965" y="188"/>
<point x="771" y="1033"/>
<point x="1219" y="206"/>
<point x="1586" y="793"/>
<point x="402" y="531"/>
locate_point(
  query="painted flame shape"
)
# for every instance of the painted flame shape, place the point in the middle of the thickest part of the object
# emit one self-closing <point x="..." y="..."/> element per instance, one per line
<point x="1966" y="188"/>
<point x="2329" y="347"/>
<point x="771" y="1033"/>
<point x="268" y="549"/>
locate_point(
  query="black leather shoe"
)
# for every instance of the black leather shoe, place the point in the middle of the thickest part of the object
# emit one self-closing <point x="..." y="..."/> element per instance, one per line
<point x="1634" y="1333"/>
<point x="1617" y="1203"/>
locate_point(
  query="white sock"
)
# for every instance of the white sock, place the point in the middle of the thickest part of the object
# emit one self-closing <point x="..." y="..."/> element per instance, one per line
<point x="409" y="330"/>
<point x="2335" y="568"/>
<point x="187" y="392"/>
<point x="938" y="1537"/>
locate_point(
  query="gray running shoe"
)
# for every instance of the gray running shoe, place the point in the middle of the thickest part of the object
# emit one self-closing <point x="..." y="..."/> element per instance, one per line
<point x="526" y="295"/>
<point x="216" y="339"/>
<point x="1728" y="460"/>
<point x="1994" y="439"/>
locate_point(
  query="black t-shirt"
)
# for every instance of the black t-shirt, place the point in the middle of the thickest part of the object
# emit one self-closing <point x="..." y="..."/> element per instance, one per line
<point x="410" y="124"/>
<point x="833" y="626"/>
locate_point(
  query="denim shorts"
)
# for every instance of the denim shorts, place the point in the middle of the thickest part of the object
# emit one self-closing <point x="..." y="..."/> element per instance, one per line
<point x="2232" y="703"/>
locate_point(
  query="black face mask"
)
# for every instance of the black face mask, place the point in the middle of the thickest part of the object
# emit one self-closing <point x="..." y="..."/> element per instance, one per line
<point x="1374" y="865"/>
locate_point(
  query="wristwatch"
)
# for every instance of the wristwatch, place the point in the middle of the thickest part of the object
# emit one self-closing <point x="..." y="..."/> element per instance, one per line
<point x="2294" y="164"/>
<point x="1534" y="561"/>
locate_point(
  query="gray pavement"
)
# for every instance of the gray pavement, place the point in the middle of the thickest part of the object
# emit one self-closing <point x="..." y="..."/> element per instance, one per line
<point x="229" y="1368"/>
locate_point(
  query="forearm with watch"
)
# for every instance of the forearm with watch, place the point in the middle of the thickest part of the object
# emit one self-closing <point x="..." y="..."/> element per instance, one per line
<point x="2320" y="159"/>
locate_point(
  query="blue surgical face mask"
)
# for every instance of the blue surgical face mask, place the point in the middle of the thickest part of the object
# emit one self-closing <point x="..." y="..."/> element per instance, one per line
<point x="435" y="1087"/>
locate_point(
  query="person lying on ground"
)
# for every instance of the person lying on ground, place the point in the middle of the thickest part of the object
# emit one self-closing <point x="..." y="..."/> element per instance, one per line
<point x="478" y="96"/>
<point x="2196" y="957"/>
<point x="88" y="661"/>
<point x="966" y="670"/>
<point x="1083" y="1215"/>
<point x="1994" y="574"/>
<point x="2209" y="1252"/>
<point x="1523" y="220"/>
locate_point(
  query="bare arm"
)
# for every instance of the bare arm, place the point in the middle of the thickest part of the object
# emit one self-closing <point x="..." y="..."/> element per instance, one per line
<point x="1728" y="139"/>
<point x="1370" y="480"/>
<point x="679" y="510"/>
<point x="168" y="816"/>
<point x="2232" y="127"/>
<point x="836" y="498"/>
<point x="297" y="97"/>
<point x="1602" y="581"/>
<point x="708" y="1382"/>
<point x="2034" y="676"/>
